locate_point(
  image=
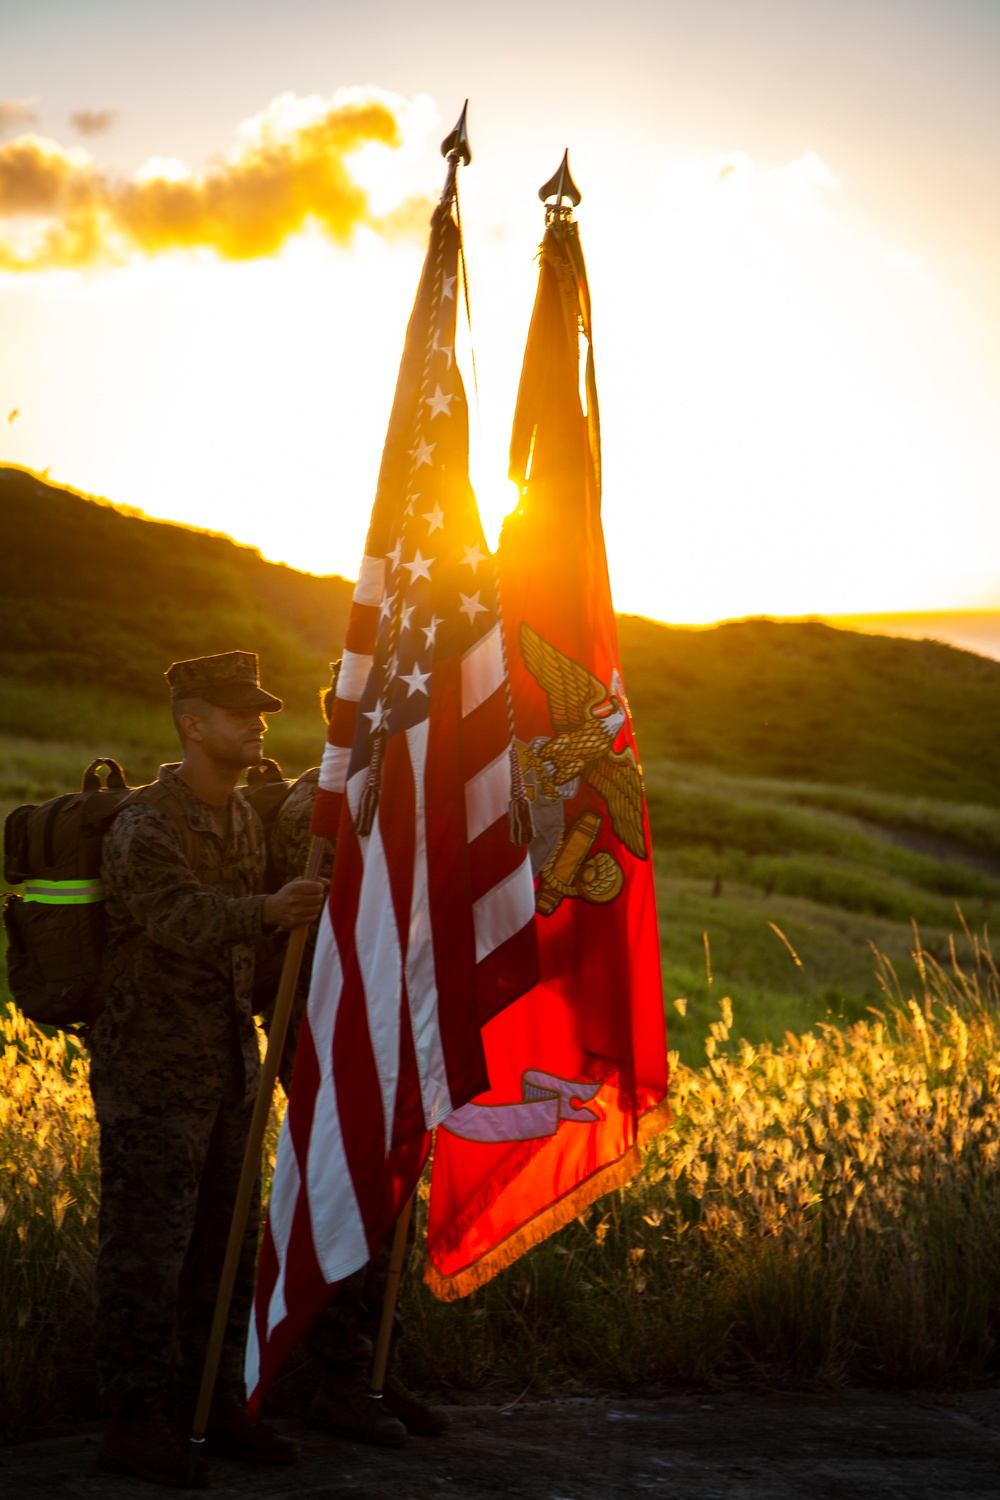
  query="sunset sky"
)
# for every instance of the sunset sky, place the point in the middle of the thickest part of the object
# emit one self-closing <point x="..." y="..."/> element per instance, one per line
<point x="213" y="213"/>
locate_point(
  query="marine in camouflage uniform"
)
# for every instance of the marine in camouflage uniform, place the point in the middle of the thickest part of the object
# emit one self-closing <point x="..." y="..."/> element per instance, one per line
<point x="174" y="1070"/>
<point x="342" y="1339"/>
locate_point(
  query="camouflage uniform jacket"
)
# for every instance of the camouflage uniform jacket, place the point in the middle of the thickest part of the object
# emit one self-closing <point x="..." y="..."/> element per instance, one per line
<point x="178" y="971"/>
<point x="289" y="840"/>
<point x="291" y="834"/>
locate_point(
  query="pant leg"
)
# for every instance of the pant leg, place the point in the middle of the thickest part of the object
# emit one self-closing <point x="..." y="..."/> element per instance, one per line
<point x="202" y="1269"/>
<point x="339" y="1338"/>
<point x="151" y="1169"/>
<point x="344" y="1336"/>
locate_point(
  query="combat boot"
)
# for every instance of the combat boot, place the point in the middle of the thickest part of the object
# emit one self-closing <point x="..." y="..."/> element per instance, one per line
<point x="231" y="1434"/>
<point x="344" y="1404"/>
<point x="140" y="1441"/>
<point x="418" y="1417"/>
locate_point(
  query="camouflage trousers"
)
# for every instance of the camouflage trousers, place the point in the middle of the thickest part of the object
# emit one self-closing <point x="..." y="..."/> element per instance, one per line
<point x="169" y="1175"/>
<point x="343" y="1337"/>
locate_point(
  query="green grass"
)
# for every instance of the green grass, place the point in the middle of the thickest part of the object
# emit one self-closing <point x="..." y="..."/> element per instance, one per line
<point x="820" y="1210"/>
<point x="736" y="857"/>
<point x="799" y="777"/>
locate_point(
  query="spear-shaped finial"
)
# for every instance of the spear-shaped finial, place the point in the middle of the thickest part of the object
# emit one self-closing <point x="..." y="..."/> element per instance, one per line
<point x="559" y="186"/>
<point x="458" y="141"/>
<point x="455" y="148"/>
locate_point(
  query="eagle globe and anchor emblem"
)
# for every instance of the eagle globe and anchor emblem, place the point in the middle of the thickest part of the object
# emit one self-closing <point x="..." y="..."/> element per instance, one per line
<point x="587" y="717"/>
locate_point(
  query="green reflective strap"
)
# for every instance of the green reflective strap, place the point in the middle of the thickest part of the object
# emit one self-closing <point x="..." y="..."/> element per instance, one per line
<point x="64" y="892"/>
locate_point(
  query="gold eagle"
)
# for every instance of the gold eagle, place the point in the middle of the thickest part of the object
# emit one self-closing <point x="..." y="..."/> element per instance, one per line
<point x="583" y="739"/>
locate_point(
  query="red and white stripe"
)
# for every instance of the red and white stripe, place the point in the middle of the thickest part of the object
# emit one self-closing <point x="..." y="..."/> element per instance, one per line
<point x="389" y="1046"/>
<point x="355" y="665"/>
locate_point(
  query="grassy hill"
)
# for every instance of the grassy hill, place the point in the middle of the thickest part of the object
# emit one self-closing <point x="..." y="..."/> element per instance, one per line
<point x="806" y="701"/>
<point x="810" y="789"/>
<point x="98" y="602"/>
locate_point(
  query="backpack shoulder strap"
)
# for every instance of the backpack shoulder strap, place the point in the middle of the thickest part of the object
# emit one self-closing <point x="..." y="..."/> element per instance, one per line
<point x="252" y="825"/>
<point x="158" y="794"/>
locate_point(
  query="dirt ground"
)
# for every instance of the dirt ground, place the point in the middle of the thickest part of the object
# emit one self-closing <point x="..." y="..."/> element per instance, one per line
<point x="845" y="1445"/>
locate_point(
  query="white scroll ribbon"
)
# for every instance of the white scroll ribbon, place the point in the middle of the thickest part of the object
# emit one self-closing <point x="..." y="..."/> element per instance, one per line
<point x="545" y="1100"/>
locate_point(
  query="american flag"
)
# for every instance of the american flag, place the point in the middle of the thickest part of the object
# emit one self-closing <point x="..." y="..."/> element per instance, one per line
<point x="429" y="929"/>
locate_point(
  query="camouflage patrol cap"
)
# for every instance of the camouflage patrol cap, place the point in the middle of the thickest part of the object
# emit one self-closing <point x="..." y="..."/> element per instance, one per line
<point x="229" y="680"/>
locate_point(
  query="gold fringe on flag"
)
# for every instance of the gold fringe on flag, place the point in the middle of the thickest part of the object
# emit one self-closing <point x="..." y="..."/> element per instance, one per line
<point x="615" y="1175"/>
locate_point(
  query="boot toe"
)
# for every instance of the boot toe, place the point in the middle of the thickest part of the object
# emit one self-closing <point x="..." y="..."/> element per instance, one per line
<point x="419" y="1417"/>
<point x="232" y="1435"/>
<point x="352" y="1412"/>
<point x="143" y="1443"/>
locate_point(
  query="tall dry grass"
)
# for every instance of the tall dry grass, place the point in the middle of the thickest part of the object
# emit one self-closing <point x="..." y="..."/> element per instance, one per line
<point x="823" y="1209"/>
<point x="49" y="1194"/>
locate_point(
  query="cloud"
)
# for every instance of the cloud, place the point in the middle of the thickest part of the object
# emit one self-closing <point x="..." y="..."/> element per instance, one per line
<point x="93" y="121"/>
<point x="16" y="112"/>
<point x="291" y="168"/>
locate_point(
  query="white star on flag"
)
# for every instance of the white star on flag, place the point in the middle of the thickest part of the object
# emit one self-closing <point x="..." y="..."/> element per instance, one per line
<point x="431" y="630"/>
<point x="404" y="619"/>
<point x="434" y="519"/>
<point x="447" y="286"/>
<point x="444" y="349"/>
<point x="420" y="567"/>
<point x="385" y="609"/>
<point x="471" y="606"/>
<point x="439" y="402"/>
<point x="416" y="681"/>
<point x="473" y="557"/>
<point x="422" y="452"/>
<point x="377" y="716"/>
<point x="396" y="553"/>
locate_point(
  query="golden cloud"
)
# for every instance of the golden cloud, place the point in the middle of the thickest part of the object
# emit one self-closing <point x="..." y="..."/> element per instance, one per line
<point x="58" y="209"/>
<point x="93" y="121"/>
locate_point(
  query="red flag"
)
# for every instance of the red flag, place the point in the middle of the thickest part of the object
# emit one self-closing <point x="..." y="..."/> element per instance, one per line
<point x="578" y="1066"/>
<point x="429" y="926"/>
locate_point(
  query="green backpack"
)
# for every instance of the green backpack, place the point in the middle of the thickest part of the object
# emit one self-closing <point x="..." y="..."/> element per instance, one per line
<point x="56" y="931"/>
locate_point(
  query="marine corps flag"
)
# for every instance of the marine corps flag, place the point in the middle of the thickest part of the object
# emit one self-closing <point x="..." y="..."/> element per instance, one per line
<point x="430" y="921"/>
<point x="577" y="1066"/>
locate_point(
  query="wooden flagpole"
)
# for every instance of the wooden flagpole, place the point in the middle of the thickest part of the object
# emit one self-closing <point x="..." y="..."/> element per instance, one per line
<point x="396" y="1260"/>
<point x="277" y="1033"/>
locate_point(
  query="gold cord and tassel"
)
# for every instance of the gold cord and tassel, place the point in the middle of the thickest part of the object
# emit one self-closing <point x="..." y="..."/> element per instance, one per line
<point x="368" y="806"/>
<point x="522" y="826"/>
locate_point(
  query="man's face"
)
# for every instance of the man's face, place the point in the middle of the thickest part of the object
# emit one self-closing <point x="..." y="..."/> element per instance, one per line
<point x="233" y="737"/>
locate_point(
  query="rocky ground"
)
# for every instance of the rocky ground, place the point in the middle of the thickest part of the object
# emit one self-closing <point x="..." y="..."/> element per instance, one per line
<point x="843" y="1445"/>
